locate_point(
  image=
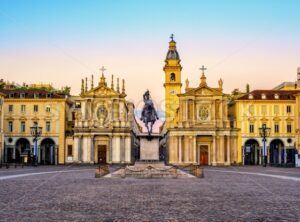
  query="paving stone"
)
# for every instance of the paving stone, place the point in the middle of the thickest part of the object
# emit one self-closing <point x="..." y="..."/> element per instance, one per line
<point x="220" y="196"/>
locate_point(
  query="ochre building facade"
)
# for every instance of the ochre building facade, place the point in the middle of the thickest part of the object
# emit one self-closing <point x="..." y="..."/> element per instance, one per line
<point x="197" y="127"/>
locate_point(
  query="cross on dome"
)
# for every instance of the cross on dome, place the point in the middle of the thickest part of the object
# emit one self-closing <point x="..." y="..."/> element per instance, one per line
<point x="202" y="69"/>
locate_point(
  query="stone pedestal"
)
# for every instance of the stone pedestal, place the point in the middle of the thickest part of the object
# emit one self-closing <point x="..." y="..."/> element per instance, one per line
<point x="149" y="148"/>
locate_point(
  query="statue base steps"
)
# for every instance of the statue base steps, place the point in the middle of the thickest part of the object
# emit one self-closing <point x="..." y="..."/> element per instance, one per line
<point x="150" y="169"/>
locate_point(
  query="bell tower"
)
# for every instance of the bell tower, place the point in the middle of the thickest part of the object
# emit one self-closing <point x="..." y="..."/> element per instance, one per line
<point x="172" y="83"/>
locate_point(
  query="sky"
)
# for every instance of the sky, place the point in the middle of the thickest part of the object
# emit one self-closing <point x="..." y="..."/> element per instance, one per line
<point x="61" y="42"/>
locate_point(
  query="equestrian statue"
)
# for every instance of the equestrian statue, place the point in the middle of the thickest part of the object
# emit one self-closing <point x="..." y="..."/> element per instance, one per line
<point x="149" y="114"/>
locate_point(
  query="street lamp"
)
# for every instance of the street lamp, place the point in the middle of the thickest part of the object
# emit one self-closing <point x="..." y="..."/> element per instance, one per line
<point x="264" y="132"/>
<point x="36" y="132"/>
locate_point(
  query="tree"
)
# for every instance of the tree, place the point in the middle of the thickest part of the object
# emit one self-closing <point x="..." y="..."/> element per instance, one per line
<point x="247" y="88"/>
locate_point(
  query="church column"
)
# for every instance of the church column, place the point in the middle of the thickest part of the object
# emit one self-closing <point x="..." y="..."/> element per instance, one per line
<point x="92" y="150"/>
<point x="110" y="148"/>
<point x="122" y="149"/>
<point x="76" y="148"/>
<point x="195" y="149"/>
<point x="213" y="116"/>
<point x="222" y="150"/>
<point x="84" y="149"/>
<point x="228" y="150"/>
<point x="173" y="148"/>
<point x="179" y="150"/>
<point x="214" y="163"/>
<point x="186" y="149"/>
<point x="191" y="149"/>
<point x="116" y="149"/>
<point x="127" y="149"/>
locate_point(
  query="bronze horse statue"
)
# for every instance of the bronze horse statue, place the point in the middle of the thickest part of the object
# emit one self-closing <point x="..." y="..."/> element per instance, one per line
<point x="149" y="114"/>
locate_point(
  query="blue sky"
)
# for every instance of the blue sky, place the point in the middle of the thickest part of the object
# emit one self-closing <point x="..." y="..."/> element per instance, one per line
<point x="64" y="41"/>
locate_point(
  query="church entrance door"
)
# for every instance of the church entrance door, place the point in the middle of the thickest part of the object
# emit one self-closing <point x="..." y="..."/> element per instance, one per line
<point x="102" y="154"/>
<point x="204" y="155"/>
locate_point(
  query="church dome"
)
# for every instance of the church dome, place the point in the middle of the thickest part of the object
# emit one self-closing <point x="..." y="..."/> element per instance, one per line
<point x="172" y="54"/>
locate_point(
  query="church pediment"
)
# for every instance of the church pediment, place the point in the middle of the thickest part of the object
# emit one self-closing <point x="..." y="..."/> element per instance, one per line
<point x="204" y="91"/>
<point x="100" y="91"/>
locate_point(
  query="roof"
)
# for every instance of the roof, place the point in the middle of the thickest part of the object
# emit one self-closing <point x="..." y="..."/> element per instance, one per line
<point x="270" y="95"/>
<point x="172" y="54"/>
<point x="31" y="93"/>
<point x="285" y="84"/>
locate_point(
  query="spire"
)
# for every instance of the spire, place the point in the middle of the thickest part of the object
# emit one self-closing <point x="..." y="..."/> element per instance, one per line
<point x="118" y="87"/>
<point x="82" y="86"/>
<point x="112" y="82"/>
<point x="172" y="53"/>
<point x="102" y="81"/>
<point x="203" y="77"/>
<point x="86" y="87"/>
<point x="187" y="82"/>
<point x="123" y="86"/>
<point x="102" y="78"/>
<point x="92" y="82"/>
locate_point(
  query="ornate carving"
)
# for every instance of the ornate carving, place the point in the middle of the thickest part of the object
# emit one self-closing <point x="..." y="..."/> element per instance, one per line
<point x="203" y="113"/>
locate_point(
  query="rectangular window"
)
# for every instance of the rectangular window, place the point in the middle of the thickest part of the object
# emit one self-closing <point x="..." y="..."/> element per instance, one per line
<point x="35" y="123"/>
<point x="70" y="150"/>
<point x="10" y="126"/>
<point x="289" y="128"/>
<point x="22" y="95"/>
<point x="276" y="128"/>
<point x="35" y="108"/>
<point x="263" y="109"/>
<point x="23" y="108"/>
<point x="251" y="128"/>
<point x="23" y="127"/>
<point x="10" y="108"/>
<point x="251" y="109"/>
<point x="77" y="105"/>
<point x="288" y="109"/>
<point x="48" y="109"/>
<point x="48" y="126"/>
<point x="276" y="109"/>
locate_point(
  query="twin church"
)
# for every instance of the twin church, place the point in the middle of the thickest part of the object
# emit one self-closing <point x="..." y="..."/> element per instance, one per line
<point x="196" y="129"/>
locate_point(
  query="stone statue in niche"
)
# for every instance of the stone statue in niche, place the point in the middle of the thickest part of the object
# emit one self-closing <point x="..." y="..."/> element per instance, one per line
<point x="102" y="114"/>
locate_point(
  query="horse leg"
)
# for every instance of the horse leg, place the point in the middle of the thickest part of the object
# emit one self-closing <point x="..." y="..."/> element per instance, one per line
<point x="147" y="126"/>
<point x="151" y="126"/>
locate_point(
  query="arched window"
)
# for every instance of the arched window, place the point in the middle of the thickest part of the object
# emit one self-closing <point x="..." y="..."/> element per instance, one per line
<point x="173" y="77"/>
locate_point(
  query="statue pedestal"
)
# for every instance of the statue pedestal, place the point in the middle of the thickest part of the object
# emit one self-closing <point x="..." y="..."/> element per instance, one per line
<point x="149" y="149"/>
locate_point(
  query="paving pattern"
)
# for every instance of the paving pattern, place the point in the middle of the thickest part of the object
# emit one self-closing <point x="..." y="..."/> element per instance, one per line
<point x="73" y="194"/>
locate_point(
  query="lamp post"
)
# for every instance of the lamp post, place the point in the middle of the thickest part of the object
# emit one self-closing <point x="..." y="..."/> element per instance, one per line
<point x="264" y="132"/>
<point x="36" y="132"/>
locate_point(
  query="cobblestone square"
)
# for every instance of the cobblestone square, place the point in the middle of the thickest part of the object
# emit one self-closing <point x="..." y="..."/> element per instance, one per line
<point x="62" y="193"/>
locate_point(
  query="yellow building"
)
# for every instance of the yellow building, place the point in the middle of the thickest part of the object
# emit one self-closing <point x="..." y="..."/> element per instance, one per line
<point x="1" y="128"/>
<point x="197" y="128"/>
<point x="279" y="111"/>
<point x="24" y="108"/>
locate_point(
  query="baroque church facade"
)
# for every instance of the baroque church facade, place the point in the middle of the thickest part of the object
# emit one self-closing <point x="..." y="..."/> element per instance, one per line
<point x="197" y="128"/>
<point x="105" y="129"/>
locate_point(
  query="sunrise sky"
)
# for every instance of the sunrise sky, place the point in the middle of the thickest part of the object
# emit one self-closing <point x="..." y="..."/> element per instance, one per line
<point x="60" y="42"/>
